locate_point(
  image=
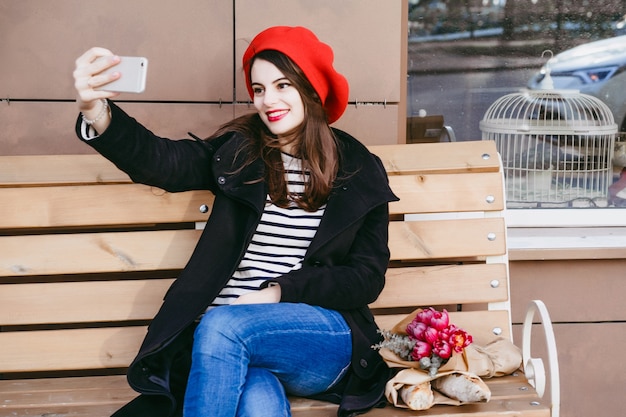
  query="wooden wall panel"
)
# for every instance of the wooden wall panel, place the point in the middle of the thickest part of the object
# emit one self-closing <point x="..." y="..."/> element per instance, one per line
<point x="573" y="290"/>
<point x="585" y="301"/>
<point x="366" y="35"/>
<point x="194" y="57"/>
<point x="593" y="373"/>
<point x="372" y="124"/>
<point x="45" y="128"/>
<point x="188" y="44"/>
<point x="39" y="128"/>
<point x="175" y="120"/>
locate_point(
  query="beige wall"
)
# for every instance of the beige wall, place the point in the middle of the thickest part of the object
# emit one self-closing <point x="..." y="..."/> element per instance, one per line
<point x="194" y="48"/>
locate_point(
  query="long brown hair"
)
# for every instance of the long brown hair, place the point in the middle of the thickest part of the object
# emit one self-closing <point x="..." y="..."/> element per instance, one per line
<point x="315" y="143"/>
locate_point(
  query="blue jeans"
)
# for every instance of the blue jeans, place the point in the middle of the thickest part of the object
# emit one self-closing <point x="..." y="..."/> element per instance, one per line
<point x="247" y="358"/>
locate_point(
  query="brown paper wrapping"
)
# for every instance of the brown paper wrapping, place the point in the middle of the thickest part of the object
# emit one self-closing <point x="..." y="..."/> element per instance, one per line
<point x="497" y="358"/>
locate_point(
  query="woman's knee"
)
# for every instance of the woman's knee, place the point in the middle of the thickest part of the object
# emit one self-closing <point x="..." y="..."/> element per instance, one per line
<point x="217" y="326"/>
<point x="235" y="325"/>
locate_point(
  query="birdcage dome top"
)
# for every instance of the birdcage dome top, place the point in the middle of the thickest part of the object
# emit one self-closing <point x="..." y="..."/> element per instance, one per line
<point x="560" y="112"/>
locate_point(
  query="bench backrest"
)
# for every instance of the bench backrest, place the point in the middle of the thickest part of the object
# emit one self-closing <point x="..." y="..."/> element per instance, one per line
<point x="86" y="256"/>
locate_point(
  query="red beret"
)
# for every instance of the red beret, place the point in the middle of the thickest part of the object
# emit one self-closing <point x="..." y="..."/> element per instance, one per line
<point x="313" y="57"/>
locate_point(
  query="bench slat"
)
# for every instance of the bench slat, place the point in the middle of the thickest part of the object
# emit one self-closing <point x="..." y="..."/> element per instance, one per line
<point x="406" y="159"/>
<point x="126" y="300"/>
<point x="68" y="206"/>
<point x="83" y="302"/>
<point x="511" y="387"/>
<point x="83" y="206"/>
<point x="443" y="284"/>
<point x="398" y="159"/>
<point x="66" y="409"/>
<point x="106" y="252"/>
<point x="81" y="392"/>
<point x="12" y="387"/>
<point x="446" y="193"/>
<point x="145" y="251"/>
<point x="100" y="396"/>
<point x="494" y="408"/>
<point x="414" y="240"/>
<point x="139" y="204"/>
<point x="71" y="349"/>
<point x="59" y="170"/>
<point x="89" y="348"/>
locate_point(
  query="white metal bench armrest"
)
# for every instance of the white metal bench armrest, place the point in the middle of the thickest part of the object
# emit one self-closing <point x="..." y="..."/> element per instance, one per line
<point x="533" y="367"/>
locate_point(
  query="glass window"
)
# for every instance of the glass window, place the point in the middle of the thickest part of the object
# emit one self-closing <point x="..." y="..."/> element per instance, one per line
<point x="464" y="55"/>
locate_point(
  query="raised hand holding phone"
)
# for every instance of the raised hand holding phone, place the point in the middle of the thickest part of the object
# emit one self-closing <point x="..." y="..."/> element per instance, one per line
<point x="100" y="75"/>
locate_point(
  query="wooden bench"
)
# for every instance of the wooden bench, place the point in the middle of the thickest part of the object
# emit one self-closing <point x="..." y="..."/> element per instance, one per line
<point x="86" y="257"/>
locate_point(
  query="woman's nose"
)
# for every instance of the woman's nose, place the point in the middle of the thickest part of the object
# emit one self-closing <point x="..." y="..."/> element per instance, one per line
<point x="270" y="97"/>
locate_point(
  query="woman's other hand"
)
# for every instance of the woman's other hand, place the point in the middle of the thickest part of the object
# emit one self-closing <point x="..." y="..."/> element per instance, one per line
<point x="267" y="295"/>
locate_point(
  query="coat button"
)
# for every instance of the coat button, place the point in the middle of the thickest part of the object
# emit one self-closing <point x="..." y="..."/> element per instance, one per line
<point x="221" y="180"/>
<point x="218" y="158"/>
<point x="204" y="208"/>
<point x="363" y="363"/>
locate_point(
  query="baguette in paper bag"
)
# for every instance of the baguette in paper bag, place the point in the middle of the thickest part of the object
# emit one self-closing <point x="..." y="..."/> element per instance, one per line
<point x="418" y="397"/>
<point x="412" y="388"/>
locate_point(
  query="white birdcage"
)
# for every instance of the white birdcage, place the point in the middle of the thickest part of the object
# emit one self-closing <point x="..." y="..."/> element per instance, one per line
<point x="556" y="147"/>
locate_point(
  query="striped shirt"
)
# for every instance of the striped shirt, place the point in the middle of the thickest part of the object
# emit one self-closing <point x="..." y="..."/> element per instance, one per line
<point x="280" y="242"/>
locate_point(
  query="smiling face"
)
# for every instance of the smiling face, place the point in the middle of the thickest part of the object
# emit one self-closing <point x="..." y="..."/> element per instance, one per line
<point x="276" y="99"/>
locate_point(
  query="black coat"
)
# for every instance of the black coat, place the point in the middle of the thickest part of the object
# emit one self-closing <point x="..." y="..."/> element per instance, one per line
<point x="343" y="269"/>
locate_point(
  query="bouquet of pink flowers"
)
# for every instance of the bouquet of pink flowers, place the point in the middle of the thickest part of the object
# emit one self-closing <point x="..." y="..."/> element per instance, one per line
<point x="429" y="339"/>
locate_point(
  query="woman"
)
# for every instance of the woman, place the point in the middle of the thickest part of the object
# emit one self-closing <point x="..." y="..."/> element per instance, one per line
<point x="274" y="298"/>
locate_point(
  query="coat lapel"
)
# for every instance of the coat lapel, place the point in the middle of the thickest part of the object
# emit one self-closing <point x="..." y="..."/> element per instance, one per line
<point x="357" y="191"/>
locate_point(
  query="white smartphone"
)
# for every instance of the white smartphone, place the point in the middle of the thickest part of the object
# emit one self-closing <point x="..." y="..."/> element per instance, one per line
<point x="134" y="70"/>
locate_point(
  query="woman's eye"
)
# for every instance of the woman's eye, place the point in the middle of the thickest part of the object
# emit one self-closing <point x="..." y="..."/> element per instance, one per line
<point x="282" y="86"/>
<point x="257" y="91"/>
